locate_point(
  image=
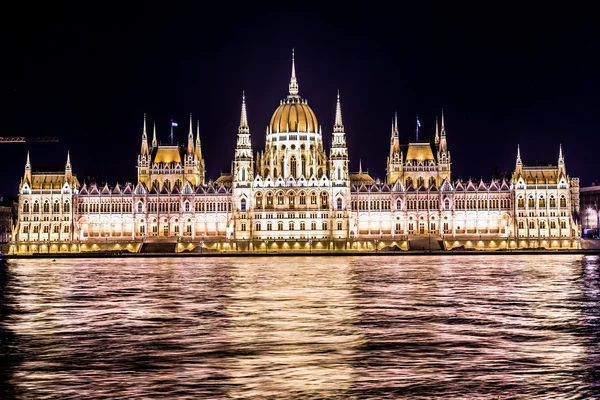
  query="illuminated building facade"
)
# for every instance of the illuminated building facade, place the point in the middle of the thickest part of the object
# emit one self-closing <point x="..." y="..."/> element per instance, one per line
<point x="295" y="194"/>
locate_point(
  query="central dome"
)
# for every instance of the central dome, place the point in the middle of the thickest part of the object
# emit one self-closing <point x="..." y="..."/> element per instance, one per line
<point x="294" y="115"/>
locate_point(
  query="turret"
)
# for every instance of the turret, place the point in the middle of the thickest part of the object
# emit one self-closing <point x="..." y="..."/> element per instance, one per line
<point x="561" y="162"/>
<point x="339" y="152"/>
<point x="190" y="144"/>
<point x="243" y="160"/>
<point x="394" y="162"/>
<point x="27" y="175"/>
<point x="144" y="150"/>
<point x="68" y="169"/>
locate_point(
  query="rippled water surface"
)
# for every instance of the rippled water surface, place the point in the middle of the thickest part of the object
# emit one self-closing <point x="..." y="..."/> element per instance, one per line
<point x="474" y="327"/>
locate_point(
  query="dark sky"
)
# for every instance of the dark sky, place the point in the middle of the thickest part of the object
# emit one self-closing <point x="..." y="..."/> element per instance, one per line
<point x="86" y="74"/>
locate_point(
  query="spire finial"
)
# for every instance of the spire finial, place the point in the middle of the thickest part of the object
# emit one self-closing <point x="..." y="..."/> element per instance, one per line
<point x="560" y="153"/>
<point x="293" y="81"/>
<point x="144" y="135"/>
<point x="443" y="127"/>
<point x="244" y="128"/>
<point x="191" y="133"/>
<point x="437" y="136"/>
<point x="154" y="142"/>
<point x="360" y="166"/>
<point x="198" y="133"/>
<point x="28" y="164"/>
<point x="519" y="162"/>
<point x="396" y="123"/>
<point x="68" y="159"/>
<point x="338" y="126"/>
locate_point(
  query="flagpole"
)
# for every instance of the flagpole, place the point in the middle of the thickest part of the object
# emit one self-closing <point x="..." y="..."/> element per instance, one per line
<point x="417" y="129"/>
<point x="171" y="131"/>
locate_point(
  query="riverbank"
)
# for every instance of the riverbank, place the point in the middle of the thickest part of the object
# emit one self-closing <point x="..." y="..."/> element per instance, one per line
<point x="306" y="254"/>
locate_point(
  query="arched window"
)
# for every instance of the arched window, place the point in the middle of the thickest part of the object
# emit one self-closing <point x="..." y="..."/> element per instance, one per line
<point x="26" y="207"/>
<point x="339" y="203"/>
<point x="178" y="183"/>
<point x="552" y="202"/>
<point x="320" y="172"/>
<point x="324" y="198"/>
<point x="291" y="226"/>
<point x="431" y="181"/>
<point x="56" y="207"/>
<point x="291" y="199"/>
<point x="398" y="204"/>
<point x="302" y="198"/>
<point x="140" y="207"/>
<point x="280" y="198"/>
<point x="243" y="174"/>
<point x="293" y="166"/>
<point x="531" y="202"/>
<point x="274" y="173"/>
<point x="447" y="204"/>
<point x="258" y="201"/>
<point x="313" y="198"/>
<point x="542" y="202"/>
<point x="521" y="202"/>
<point x="243" y="205"/>
<point x="266" y="172"/>
<point x="67" y="207"/>
<point x="168" y="184"/>
<point x="155" y="183"/>
<point x="303" y="165"/>
<point x="563" y="201"/>
<point x="269" y="200"/>
<point x="46" y="206"/>
<point x="36" y="207"/>
<point x="186" y="206"/>
<point x="339" y="173"/>
<point x="408" y="181"/>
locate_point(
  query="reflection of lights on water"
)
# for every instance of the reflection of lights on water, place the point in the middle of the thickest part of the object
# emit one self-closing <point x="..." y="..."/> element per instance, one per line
<point x="292" y="328"/>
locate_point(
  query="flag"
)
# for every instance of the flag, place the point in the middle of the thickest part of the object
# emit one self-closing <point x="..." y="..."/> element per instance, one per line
<point x="173" y="123"/>
<point x="418" y="123"/>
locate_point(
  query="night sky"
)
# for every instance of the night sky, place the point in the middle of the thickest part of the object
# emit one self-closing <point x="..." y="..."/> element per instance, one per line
<point x="503" y="77"/>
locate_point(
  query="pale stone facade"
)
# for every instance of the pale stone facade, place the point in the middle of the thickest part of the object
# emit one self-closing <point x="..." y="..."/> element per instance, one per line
<point x="293" y="195"/>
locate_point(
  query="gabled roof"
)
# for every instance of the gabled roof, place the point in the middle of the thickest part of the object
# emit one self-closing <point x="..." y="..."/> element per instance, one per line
<point x="106" y="189"/>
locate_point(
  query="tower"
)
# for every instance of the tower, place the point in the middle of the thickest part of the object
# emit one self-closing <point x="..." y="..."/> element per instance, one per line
<point x="68" y="169"/>
<point x="338" y="156"/>
<point x="443" y="155"/>
<point x="27" y="175"/>
<point x="394" y="161"/>
<point x="143" y="163"/>
<point x="243" y="176"/>
<point x="199" y="160"/>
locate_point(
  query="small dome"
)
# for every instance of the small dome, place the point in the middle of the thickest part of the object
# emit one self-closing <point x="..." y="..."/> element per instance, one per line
<point x="295" y="114"/>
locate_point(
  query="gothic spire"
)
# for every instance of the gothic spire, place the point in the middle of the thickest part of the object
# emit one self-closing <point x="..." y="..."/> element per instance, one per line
<point x="519" y="162"/>
<point x="561" y="159"/>
<point x="396" y="123"/>
<point x="144" y="148"/>
<point x="68" y="169"/>
<point x="190" y="146"/>
<point x="293" y="81"/>
<point x="27" y="164"/>
<point x="437" y="135"/>
<point x="154" y="142"/>
<point x="68" y="165"/>
<point x="244" y="128"/>
<point x="443" y="127"/>
<point x="338" y="126"/>
<point x="27" y="176"/>
<point x="360" y="166"/>
<point x="198" y="149"/>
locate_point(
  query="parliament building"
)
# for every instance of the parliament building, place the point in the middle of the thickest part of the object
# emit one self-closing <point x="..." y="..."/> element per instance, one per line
<point x="296" y="195"/>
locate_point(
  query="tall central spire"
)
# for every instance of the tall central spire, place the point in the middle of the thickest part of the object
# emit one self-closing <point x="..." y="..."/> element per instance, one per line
<point x="339" y="125"/>
<point x="293" y="81"/>
<point x="244" y="128"/>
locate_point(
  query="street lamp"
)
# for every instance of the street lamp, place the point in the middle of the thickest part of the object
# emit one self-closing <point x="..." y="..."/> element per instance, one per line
<point x="310" y="245"/>
<point x="266" y="242"/>
<point x="376" y="242"/>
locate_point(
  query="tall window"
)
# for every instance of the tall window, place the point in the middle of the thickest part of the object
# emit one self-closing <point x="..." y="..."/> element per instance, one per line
<point x="563" y="202"/>
<point x="168" y="184"/>
<point x="36" y="207"/>
<point x="552" y="202"/>
<point x="339" y="225"/>
<point x="46" y="207"/>
<point x="243" y="205"/>
<point x="521" y="202"/>
<point x="280" y="226"/>
<point x="187" y="206"/>
<point x="140" y="207"/>
<point x="447" y="204"/>
<point x="67" y="207"/>
<point x="258" y="200"/>
<point x="339" y="204"/>
<point x="178" y="183"/>
<point x="302" y="198"/>
<point x="280" y="198"/>
<point x="542" y="202"/>
<point x="155" y="183"/>
<point x="293" y="166"/>
<point x="313" y="198"/>
<point x="324" y="199"/>
<point x="26" y="207"/>
<point x="531" y="202"/>
<point x="56" y="207"/>
<point x="398" y="204"/>
<point x="257" y="226"/>
<point x="291" y="226"/>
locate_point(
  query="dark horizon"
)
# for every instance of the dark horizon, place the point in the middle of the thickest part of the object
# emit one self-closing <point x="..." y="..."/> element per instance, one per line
<point x="503" y="80"/>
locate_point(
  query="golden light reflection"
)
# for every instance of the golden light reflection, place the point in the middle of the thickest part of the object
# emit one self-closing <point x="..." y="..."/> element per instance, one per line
<point x="292" y="329"/>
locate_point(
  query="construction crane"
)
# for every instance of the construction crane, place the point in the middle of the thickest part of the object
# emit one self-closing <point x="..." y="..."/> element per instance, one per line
<point x="22" y="139"/>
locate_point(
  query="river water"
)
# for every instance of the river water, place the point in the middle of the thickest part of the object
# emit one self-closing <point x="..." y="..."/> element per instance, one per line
<point x="408" y="327"/>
